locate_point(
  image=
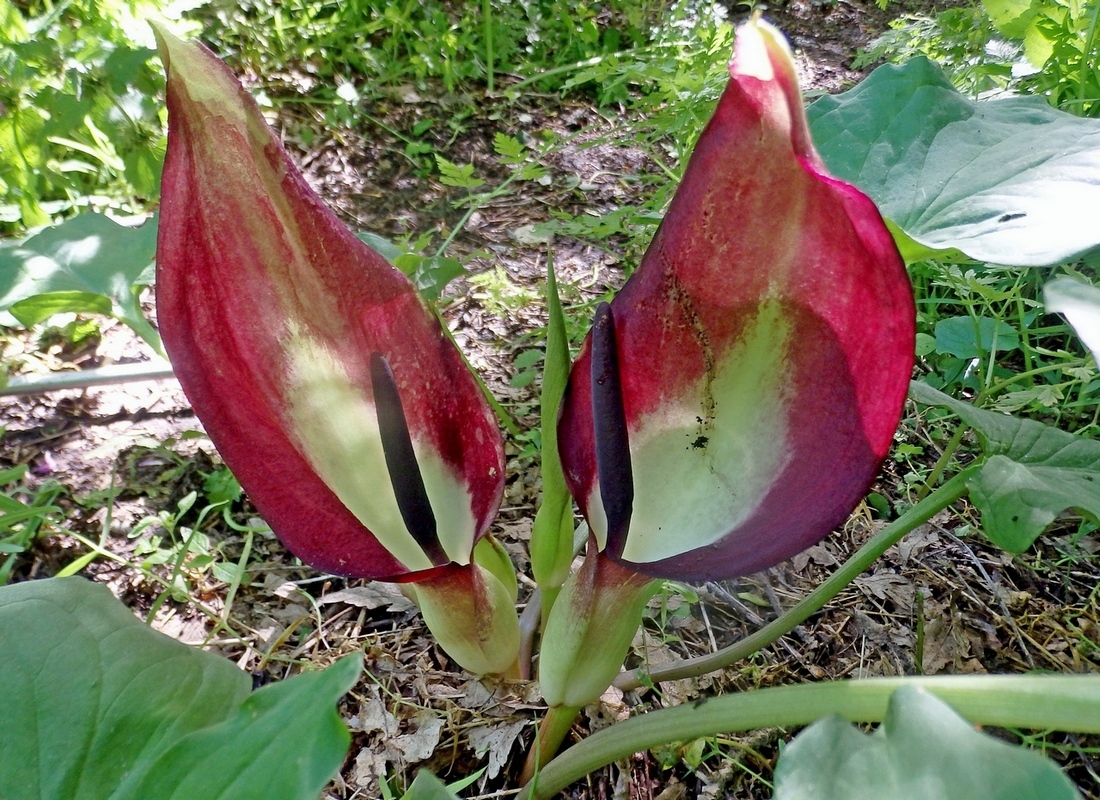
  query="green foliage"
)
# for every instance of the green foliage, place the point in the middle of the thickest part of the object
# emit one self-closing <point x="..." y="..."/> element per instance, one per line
<point x="1034" y="472"/>
<point x="1064" y="702"/>
<point x="670" y="88"/>
<point x="87" y="265"/>
<point x="991" y="179"/>
<point x="100" y="706"/>
<point x="427" y="786"/>
<point x="922" y="751"/>
<point x="1042" y="47"/>
<point x="552" y="528"/>
<point x="1059" y="41"/>
<point x="970" y="337"/>
<point x="79" y="117"/>
<point x="430" y="273"/>
<point x="27" y="514"/>
<point x="375" y="43"/>
<point x="961" y="182"/>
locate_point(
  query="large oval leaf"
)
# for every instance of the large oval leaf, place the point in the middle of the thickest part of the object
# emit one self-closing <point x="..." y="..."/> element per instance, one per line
<point x="98" y="705"/>
<point x="1009" y="181"/>
<point x="1034" y="473"/>
<point x="922" y="751"/>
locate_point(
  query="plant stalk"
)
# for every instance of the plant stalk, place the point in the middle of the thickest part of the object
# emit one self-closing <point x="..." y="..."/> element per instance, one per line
<point x="82" y="379"/>
<point x="552" y="732"/>
<point x="811" y="603"/>
<point x="487" y="35"/>
<point x="1058" y="702"/>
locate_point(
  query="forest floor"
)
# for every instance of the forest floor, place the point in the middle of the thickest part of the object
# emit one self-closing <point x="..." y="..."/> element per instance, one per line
<point x="942" y="601"/>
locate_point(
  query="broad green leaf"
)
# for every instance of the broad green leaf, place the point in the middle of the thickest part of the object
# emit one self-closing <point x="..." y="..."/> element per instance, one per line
<point x="1009" y="181"/>
<point x="387" y="249"/>
<point x="88" y="264"/>
<point x="40" y="307"/>
<point x="97" y="705"/>
<point x="1033" y="475"/>
<point x="426" y="786"/>
<point x="969" y="337"/>
<point x="922" y="751"/>
<point x="92" y="695"/>
<point x="142" y="170"/>
<point x="431" y="274"/>
<point x="284" y="742"/>
<point x="1010" y="16"/>
<point x="1080" y="303"/>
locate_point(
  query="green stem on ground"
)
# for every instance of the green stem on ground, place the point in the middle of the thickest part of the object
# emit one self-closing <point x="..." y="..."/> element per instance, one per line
<point x="552" y="732"/>
<point x="1086" y="60"/>
<point x="82" y="379"/>
<point x="997" y="387"/>
<point x="476" y="203"/>
<point x="637" y="52"/>
<point x="1058" y="702"/>
<point x="487" y="35"/>
<point x="242" y="569"/>
<point x="811" y="603"/>
<point x="944" y="459"/>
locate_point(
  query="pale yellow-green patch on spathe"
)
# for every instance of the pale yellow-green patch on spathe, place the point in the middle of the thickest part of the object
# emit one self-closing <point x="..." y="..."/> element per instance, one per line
<point x="696" y="481"/>
<point x="337" y="430"/>
<point x="206" y="81"/>
<point x="451" y="503"/>
<point x="596" y="516"/>
<point x="752" y="52"/>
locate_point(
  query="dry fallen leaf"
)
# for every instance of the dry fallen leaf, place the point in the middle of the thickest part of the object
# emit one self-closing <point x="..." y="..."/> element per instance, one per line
<point x="371" y="596"/>
<point x="497" y="742"/>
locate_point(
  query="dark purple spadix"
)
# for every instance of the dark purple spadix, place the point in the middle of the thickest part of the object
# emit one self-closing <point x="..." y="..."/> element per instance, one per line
<point x="408" y="483"/>
<point x="609" y="421"/>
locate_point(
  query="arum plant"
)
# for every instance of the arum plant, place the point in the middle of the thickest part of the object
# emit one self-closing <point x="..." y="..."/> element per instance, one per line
<point x="326" y="383"/>
<point x="729" y="407"/>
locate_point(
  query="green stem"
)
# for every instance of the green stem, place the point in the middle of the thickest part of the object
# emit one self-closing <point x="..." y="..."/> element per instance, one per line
<point x="1090" y="38"/>
<point x="996" y="388"/>
<point x="1025" y="335"/>
<point x="82" y="379"/>
<point x="552" y="732"/>
<point x="242" y="568"/>
<point x="811" y="603"/>
<point x="529" y="623"/>
<point x="944" y="459"/>
<point x="1059" y="702"/>
<point x="487" y="34"/>
<point x="636" y="52"/>
<point x="476" y="203"/>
